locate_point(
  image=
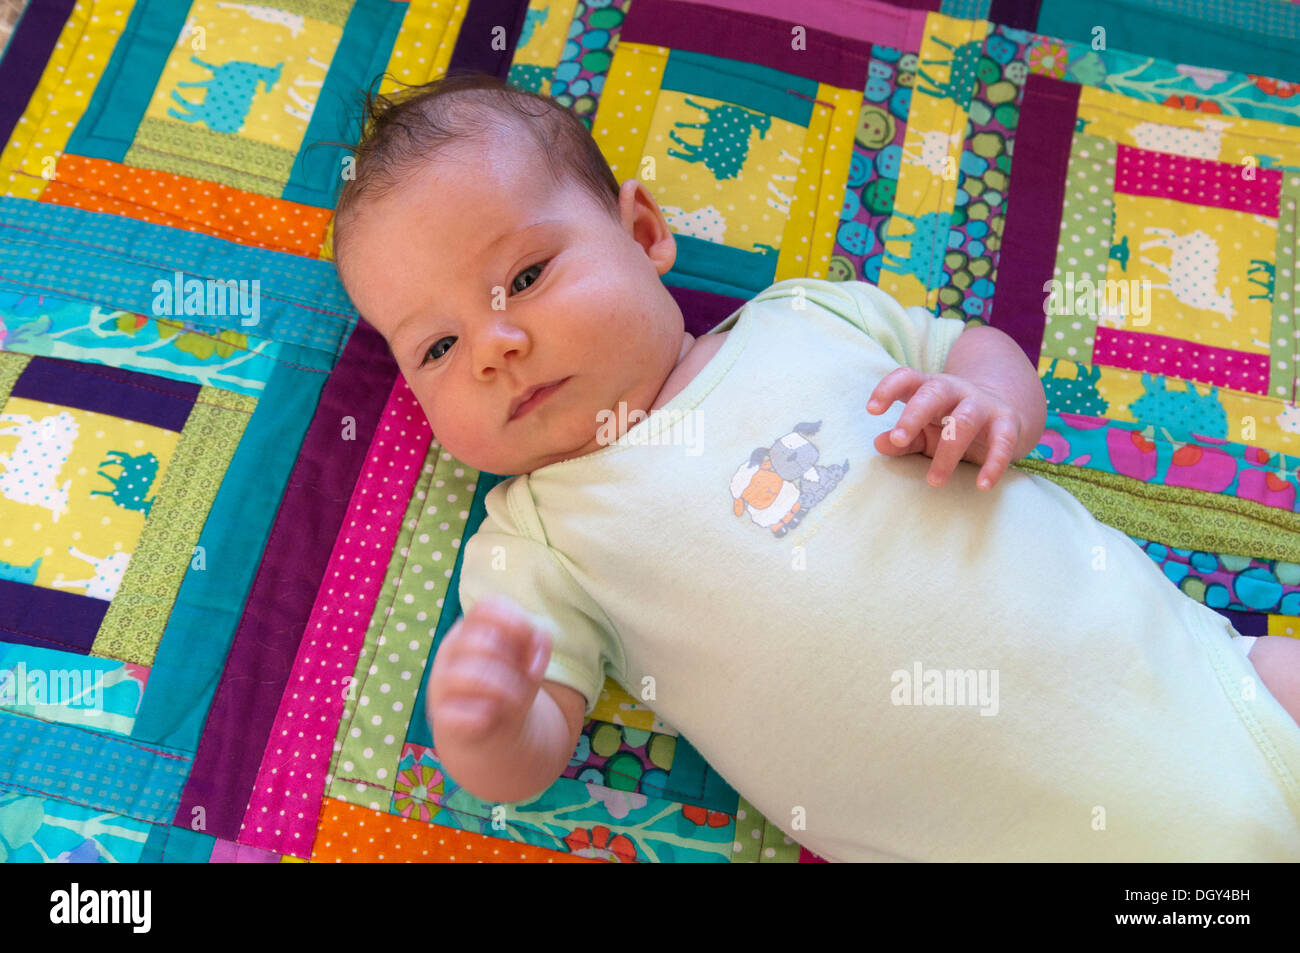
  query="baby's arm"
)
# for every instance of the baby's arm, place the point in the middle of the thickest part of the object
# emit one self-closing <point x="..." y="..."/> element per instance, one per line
<point x="501" y="732"/>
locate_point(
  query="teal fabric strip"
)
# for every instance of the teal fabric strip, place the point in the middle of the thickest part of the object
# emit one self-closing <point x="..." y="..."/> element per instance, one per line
<point x="1274" y="17"/>
<point x="362" y="55"/>
<point x="747" y="272"/>
<point x="202" y="625"/>
<point x="1155" y="80"/>
<point x="692" y="781"/>
<point x="115" y="261"/>
<point x="123" y="93"/>
<point x="177" y="845"/>
<point x="102" y="772"/>
<point x="1170" y="36"/>
<point x="749" y="85"/>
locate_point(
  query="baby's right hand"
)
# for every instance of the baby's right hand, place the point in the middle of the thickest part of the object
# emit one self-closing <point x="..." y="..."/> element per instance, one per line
<point x="486" y="675"/>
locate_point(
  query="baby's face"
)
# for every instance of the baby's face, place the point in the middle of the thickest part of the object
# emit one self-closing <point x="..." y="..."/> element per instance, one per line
<point x="487" y="280"/>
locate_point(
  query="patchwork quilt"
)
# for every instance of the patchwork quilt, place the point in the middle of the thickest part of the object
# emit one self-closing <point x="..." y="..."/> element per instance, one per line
<point x="228" y="539"/>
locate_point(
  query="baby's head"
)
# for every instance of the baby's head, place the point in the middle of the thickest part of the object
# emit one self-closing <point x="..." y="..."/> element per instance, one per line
<point x="485" y="237"/>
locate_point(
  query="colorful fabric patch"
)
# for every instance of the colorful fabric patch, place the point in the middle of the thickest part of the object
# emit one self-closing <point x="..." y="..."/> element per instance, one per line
<point x="228" y="541"/>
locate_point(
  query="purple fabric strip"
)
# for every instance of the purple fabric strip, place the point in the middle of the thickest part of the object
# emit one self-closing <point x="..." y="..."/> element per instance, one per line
<point x="1247" y="623"/>
<point x="474" y="44"/>
<point x="49" y="618"/>
<point x="703" y="310"/>
<point x="25" y="57"/>
<point x="1021" y="14"/>
<point x="731" y="34"/>
<point x="293" y="565"/>
<point x="1034" y="199"/>
<point x="145" y="398"/>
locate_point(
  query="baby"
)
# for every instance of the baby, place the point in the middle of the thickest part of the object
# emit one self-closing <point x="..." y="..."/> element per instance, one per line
<point x="891" y="644"/>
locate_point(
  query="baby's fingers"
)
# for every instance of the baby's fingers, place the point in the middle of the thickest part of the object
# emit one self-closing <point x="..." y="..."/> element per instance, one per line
<point x="926" y="404"/>
<point x="1004" y="433"/>
<point x="898" y="384"/>
<point x="886" y="446"/>
<point x="958" y="429"/>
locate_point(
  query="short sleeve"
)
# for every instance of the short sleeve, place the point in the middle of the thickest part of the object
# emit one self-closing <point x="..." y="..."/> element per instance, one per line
<point x="912" y="336"/>
<point x="502" y="559"/>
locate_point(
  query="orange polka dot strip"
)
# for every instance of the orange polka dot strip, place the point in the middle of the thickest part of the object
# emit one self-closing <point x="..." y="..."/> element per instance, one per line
<point x="348" y="833"/>
<point x="164" y="198"/>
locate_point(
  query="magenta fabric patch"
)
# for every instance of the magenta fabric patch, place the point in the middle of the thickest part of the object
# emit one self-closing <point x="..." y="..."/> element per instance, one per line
<point x="1198" y="181"/>
<point x="285" y="804"/>
<point x="227" y="852"/>
<point x="866" y="20"/>
<point x="1175" y="357"/>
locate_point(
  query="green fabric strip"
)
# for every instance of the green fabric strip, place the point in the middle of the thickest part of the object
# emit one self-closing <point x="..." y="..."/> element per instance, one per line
<point x="1178" y="516"/>
<point x="12" y="365"/>
<point x="760" y="841"/>
<point x="1284" y="336"/>
<point x="185" y="149"/>
<point x="327" y="11"/>
<point x="1084" y="249"/>
<point x="137" y="616"/>
<point x="400" y="638"/>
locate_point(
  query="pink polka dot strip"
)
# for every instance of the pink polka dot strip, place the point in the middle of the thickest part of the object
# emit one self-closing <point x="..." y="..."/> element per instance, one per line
<point x="1241" y="188"/>
<point x="1174" y="357"/>
<point x="283" y="808"/>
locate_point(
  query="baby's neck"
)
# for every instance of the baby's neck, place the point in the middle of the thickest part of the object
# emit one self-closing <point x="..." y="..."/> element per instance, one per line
<point x="694" y="355"/>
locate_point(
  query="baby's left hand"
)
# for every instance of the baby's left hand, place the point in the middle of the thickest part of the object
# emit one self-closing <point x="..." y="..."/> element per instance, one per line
<point x="980" y="427"/>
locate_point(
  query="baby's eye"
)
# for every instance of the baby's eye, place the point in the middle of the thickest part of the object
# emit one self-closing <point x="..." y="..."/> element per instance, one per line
<point x="539" y="267"/>
<point x="433" y="349"/>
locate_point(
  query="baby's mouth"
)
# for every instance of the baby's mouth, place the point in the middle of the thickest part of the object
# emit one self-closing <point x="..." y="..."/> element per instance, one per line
<point x="535" y="398"/>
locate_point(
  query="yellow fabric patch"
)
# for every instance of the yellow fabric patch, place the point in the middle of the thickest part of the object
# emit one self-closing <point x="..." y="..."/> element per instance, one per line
<point x="246" y="76"/>
<point x="927" y="180"/>
<point x="74" y="506"/>
<point x="425" y="43"/>
<point x="545" y="47"/>
<point x="1235" y="238"/>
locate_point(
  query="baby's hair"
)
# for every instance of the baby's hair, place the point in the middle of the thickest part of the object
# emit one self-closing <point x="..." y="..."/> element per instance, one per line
<point x="407" y="128"/>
